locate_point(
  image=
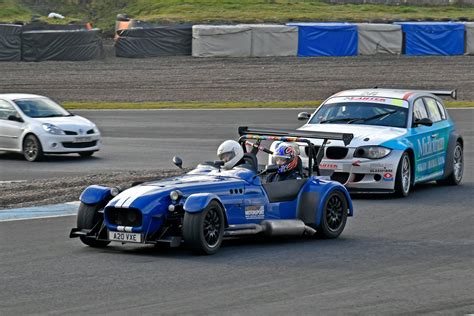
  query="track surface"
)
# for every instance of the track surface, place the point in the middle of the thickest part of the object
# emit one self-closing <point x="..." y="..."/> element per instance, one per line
<point x="147" y="140"/>
<point x="396" y="256"/>
<point x="236" y="79"/>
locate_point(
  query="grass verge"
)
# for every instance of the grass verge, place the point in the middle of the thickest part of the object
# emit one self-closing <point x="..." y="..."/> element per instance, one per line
<point x="213" y="105"/>
<point x="102" y="12"/>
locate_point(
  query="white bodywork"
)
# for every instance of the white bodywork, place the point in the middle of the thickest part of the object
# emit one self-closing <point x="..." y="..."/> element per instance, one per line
<point x="12" y="133"/>
<point x="367" y="175"/>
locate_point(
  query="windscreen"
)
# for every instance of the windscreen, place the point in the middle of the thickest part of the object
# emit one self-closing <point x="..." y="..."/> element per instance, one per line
<point x="41" y="107"/>
<point x="392" y="112"/>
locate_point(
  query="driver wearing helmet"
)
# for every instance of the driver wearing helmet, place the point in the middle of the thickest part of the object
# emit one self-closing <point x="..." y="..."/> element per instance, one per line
<point x="288" y="161"/>
<point x="231" y="153"/>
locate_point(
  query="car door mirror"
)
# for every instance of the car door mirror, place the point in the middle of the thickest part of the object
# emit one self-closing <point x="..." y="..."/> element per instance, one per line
<point x="178" y="162"/>
<point x="303" y="116"/>
<point x="424" y="121"/>
<point x="15" y="118"/>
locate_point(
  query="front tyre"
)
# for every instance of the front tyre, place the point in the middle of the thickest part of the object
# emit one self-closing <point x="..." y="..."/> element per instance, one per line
<point x="334" y="215"/>
<point x="458" y="167"/>
<point x="403" y="177"/>
<point x="32" y="149"/>
<point x="87" y="218"/>
<point x="203" y="232"/>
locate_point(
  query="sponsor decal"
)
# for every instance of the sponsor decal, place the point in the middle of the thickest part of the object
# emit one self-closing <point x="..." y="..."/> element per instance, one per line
<point x="369" y="99"/>
<point x="255" y="212"/>
<point x="370" y="93"/>
<point x="380" y="167"/>
<point x="388" y="176"/>
<point x="428" y="146"/>
<point x="397" y="102"/>
<point x="430" y="164"/>
<point x="324" y="165"/>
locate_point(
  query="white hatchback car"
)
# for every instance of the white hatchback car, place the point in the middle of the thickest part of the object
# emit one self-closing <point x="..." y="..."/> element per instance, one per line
<point x="35" y="125"/>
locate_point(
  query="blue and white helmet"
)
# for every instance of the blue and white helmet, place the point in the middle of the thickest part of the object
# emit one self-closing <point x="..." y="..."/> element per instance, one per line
<point x="286" y="157"/>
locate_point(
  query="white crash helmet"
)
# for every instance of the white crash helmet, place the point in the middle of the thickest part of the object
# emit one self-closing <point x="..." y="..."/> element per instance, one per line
<point x="230" y="152"/>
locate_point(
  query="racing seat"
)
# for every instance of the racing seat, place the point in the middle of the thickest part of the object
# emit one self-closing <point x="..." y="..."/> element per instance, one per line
<point x="249" y="161"/>
<point x="281" y="191"/>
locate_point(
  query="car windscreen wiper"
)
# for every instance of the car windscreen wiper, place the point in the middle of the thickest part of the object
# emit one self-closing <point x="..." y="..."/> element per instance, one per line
<point x="373" y="117"/>
<point x="346" y="119"/>
<point x="53" y="115"/>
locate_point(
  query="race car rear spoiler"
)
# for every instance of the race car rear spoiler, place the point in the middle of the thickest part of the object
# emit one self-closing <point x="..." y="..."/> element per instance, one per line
<point x="345" y="137"/>
<point x="453" y="93"/>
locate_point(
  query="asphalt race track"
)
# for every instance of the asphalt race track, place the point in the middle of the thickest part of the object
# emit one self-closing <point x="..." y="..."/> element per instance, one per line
<point x="396" y="256"/>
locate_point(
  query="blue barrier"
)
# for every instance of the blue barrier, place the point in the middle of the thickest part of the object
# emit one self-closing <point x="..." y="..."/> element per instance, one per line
<point x="326" y="39"/>
<point x="433" y="38"/>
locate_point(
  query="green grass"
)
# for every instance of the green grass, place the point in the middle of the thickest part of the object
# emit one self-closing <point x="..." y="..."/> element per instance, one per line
<point x="282" y="11"/>
<point x="11" y="11"/>
<point x="214" y="105"/>
<point x="102" y="12"/>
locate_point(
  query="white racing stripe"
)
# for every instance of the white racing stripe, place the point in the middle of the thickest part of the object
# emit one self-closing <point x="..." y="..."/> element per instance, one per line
<point x="126" y="198"/>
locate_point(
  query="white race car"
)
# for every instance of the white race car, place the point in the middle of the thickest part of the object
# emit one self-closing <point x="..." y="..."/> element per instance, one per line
<point x="35" y="125"/>
<point x="401" y="137"/>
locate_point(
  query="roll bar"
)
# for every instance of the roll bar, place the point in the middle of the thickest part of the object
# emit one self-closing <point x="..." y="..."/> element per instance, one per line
<point x="287" y="135"/>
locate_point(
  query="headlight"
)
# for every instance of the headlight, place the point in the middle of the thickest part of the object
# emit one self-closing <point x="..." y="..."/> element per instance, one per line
<point x="53" y="129"/>
<point x="115" y="191"/>
<point x="175" y="195"/>
<point x="372" y="152"/>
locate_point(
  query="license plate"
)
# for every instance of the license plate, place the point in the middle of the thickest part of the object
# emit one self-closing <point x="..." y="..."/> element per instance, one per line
<point x="125" y="237"/>
<point x="82" y="139"/>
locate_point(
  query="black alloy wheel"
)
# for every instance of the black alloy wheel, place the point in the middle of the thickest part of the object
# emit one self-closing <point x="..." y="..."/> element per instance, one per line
<point x="334" y="215"/>
<point x="203" y="232"/>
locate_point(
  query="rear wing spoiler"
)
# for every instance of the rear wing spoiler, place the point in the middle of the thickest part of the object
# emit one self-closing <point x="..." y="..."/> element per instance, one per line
<point x="345" y="137"/>
<point x="448" y="93"/>
<point x="287" y="135"/>
<point x="444" y="93"/>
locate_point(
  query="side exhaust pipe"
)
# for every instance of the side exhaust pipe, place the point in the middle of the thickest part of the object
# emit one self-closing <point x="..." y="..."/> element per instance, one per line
<point x="288" y="227"/>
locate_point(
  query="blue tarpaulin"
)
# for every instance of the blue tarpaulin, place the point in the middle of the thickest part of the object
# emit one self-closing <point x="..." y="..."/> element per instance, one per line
<point x="326" y="39"/>
<point x="433" y="38"/>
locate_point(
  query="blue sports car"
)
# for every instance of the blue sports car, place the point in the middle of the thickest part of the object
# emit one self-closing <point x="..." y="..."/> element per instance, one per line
<point x="209" y="203"/>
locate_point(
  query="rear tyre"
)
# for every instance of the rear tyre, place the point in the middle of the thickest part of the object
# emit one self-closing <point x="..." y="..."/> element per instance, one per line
<point x="86" y="153"/>
<point x="203" y="232"/>
<point x="334" y="215"/>
<point x="32" y="149"/>
<point x="88" y="217"/>
<point x="458" y="167"/>
<point x="403" y="180"/>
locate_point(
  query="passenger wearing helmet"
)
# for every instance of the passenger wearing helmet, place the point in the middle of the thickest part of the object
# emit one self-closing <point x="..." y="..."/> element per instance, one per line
<point x="288" y="161"/>
<point x="231" y="153"/>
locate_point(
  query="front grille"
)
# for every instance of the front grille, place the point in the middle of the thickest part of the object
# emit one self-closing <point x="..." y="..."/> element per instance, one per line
<point x="124" y="216"/>
<point x="336" y="152"/>
<point x="70" y="133"/>
<point x="91" y="131"/>
<point x="340" y="177"/>
<point x="306" y="150"/>
<point x="79" y="145"/>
